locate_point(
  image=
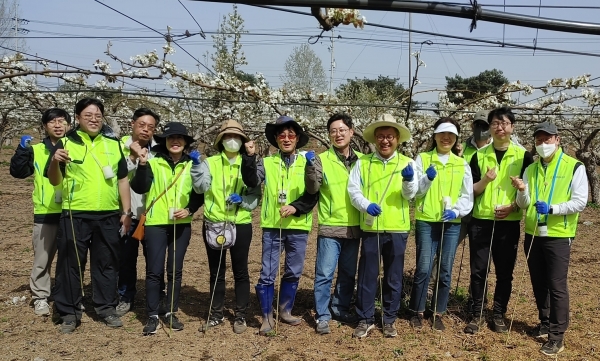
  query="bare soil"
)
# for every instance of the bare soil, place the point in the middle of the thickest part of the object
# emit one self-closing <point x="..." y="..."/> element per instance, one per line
<point x="24" y="336"/>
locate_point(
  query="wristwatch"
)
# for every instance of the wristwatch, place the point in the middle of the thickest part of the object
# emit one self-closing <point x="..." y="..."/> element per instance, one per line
<point x="190" y="212"/>
<point x="128" y="214"/>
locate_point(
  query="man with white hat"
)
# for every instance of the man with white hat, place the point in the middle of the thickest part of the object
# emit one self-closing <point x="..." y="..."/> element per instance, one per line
<point x="381" y="185"/>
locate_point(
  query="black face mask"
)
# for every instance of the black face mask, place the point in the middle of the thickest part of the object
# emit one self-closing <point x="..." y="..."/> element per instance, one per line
<point x="481" y="133"/>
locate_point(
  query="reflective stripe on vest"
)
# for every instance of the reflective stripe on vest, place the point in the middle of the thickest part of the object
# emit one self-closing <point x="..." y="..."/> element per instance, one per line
<point x="290" y="180"/>
<point x="222" y="171"/>
<point x="43" y="191"/>
<point x="177" y="196"/>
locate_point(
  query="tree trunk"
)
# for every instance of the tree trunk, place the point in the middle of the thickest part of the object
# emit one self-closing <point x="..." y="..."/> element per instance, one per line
<point x="589" y="161"/>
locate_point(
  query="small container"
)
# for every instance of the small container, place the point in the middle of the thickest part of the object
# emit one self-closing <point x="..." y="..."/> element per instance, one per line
<point x="447" y="202"/>
<point x="58" y="196"/>
<point x="542" y="230"/>
<point x="369" y="220"/>
<point x="282" y="197"/>
<point x="108" y="172"/>
<point x="172" y="213"/>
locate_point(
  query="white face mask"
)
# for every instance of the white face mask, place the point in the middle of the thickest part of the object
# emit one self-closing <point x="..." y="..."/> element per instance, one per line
<point x="232" y="144"/>
<point x="545" y="150"/>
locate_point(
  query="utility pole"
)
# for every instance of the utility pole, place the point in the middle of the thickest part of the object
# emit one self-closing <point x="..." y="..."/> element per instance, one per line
<point x="409" y="50"/>
<point x="16" y="27"/>
<point x="331" y="66"/>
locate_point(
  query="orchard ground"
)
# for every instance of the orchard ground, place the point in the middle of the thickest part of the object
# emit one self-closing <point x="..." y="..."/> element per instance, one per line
<point x="24" y="336"/>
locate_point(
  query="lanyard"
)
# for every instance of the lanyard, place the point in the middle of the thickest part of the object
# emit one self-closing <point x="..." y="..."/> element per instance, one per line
<point x="234" y="190"/>
<point x="287" y="175"/>
<point x="551" y="187"/>
<point x="452" y="172"/>
<point x="389" y="181"/>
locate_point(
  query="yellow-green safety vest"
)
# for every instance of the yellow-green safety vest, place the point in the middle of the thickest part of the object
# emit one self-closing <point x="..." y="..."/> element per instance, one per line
<point x="177" y="196"/>
<point x="553" y="186"/>
<point x="226" y="179"/>
<point x="335" y="208"/>
<point x="43" y="192"/>
<point x="447" y="183"/>
<point x="84" y="185"/>
<point x="289" y="180"/>
<point x="500" y="191"/>
<point x="375" y="176"/>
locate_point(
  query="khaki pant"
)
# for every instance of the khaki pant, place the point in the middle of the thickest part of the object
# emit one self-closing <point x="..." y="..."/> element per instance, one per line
<point x="44" y="249"/>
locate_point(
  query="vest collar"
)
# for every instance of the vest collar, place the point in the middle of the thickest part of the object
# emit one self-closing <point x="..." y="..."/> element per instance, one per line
<point x="225" y="160"/>
<point x="557" y="154"/>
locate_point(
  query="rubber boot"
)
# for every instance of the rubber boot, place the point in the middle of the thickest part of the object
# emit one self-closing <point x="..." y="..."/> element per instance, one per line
<point x="287" y="294"/>
<point x="265" y="299"/>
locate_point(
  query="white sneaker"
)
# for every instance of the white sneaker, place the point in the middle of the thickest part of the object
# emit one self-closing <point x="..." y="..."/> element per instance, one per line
<point x="41" y="307"/>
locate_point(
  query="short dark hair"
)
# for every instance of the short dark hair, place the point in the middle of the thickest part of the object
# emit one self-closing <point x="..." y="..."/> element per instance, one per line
<point x="437" y="124"/>
<point x="86" y="102"/>
<point x="500" y="113"/>
<point x="140" y="112"/>
<point x="53" y="113"/>
<point x="282" y="128"/>
<point x="340" y="116"/>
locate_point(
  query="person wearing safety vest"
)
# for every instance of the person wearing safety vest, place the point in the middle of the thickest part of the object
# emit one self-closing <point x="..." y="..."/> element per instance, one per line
<point x="285" y="217"/>
<point x="167" y="183"/>
<point x="496" y="223"/>
<point x="143" y="125"/>
<point x="553" y="191"/>
<point x="89" y="164"/>
<point x="227" y="199"/>
<point x="445" y="195"/>
<point x="381" y="186"/>
<point x="339" y="228"/>
<point x="47" y="202"/>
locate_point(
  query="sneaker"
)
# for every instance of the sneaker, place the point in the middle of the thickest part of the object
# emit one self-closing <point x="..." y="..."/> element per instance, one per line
<point x="151" y="326"/>
<point x="540" y="331"/>
<point x="416" y="321"/>
<point x="214" y="321"/>
<point x="122" y="308"/>
<point x="68" y="326"/>
<point x="363" y="328"/>
<point x="239" y="325"/>
<point x="41" y="307"/>
<point x="437" y="324"/>
<point x="171" y="321"/>
<point x="475" y="325"/>
<point x="389" y="330"/>
<point x="346" y="318"/>
<point x="323" y="327"/>
<point x="499" y="324"/>
<point x="113" y="321"/>
<point x="553" y="347"/>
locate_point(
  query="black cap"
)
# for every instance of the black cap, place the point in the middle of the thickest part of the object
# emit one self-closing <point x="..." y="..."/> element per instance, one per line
<point x="174" y="128"/>
<point x="545" y="127"/>
<point x="272" y="128"/>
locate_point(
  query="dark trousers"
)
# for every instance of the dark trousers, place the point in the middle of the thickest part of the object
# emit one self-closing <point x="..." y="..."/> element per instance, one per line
<point x="239" y="264"/>
<point x="391" y="249"/>
<point x="504" y="255"/>
<point x="101" y="238"/>
<point x="548" y="267"/>
<point x="128" y="265"/>
<point x="159" y="241"/>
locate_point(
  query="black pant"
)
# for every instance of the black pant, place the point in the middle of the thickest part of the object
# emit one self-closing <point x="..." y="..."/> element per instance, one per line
<point x="239" y="264"/>
<point x="504" y="255"/>
<point x="159" y="239"/>
<point x="101" y="237"/>
<point x="548" y="267"/>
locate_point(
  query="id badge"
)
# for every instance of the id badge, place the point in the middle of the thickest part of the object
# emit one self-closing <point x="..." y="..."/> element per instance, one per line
<point x="281" y="196"/>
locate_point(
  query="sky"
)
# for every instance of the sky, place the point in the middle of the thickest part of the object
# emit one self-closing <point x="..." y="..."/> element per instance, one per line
<point x="376" y="52"/>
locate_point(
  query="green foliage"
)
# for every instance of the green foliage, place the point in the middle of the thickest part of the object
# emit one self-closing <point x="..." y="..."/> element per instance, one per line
<point x="304" y="71"/>
<point x="228" y="55"/>
<point x="488" y="81"/>
<point x="381" y="89"/>
<point x="243" y="76"/>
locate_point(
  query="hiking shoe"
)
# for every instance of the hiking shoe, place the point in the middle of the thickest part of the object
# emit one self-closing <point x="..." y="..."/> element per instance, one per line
<point x="214" y="321"/>
<point x="122" y="308"/>
<point x="553" y="347"/>
<point x="363" y="328"/>
<point x="540" y="331"/>
<point x="416" y="321"/>
<point x="113" y="321"/>
<point x="323" y="327"/>
<point x="389" y="330"/>
<point x="437" y="324"/>
<point x="68" y="326"/>
<point x="475" y="325"/>
<point x="41" y="307"/>
<point x="171" y="321"/>
<point x="239" y="325"/>
<point x="151" y="326"/>
<point x="346" y="318"/>
<point x="499" y="324"/>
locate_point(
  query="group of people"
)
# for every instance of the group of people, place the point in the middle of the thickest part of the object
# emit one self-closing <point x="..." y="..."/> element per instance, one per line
<point x="95" y="192"/>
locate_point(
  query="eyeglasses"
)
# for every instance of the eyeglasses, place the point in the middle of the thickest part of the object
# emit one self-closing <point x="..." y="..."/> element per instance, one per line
<point x="290" y="136"/>
<point x="340" y="131"/>
<point x="56" y="121"/>
<point x="502" y="124"/>
<point x="389" y="138"/>
<point x="90" y="116"/>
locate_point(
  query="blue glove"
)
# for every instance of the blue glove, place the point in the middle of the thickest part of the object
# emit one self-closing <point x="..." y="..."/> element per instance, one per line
<point x="25" y="141"/>
<point x="448" y="215"/>
<point x="542" y="207"/>
<point x="310" y="157"/>
<point x="373" y="209"/>
<point x="195" y="155"/>
<point x="408" y="173"/>
<point x="234" y="198"/>
<point x="431" y="173"/>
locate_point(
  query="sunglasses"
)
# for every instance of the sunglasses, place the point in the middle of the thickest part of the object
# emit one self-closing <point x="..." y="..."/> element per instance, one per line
<point x="282" y="136"/>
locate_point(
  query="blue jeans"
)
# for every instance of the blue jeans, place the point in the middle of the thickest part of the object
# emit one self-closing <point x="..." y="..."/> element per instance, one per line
<point x="332" y="252"/>
<point x="293" y="242"/>
<point x="428" y="239"/>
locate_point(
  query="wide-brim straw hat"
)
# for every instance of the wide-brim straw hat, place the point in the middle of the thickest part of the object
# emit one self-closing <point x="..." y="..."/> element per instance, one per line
<point x="386" y="120"/>
<point x="272" y="128"/>
<point x="174" y="128"/>
<point x="230" y="126"/>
